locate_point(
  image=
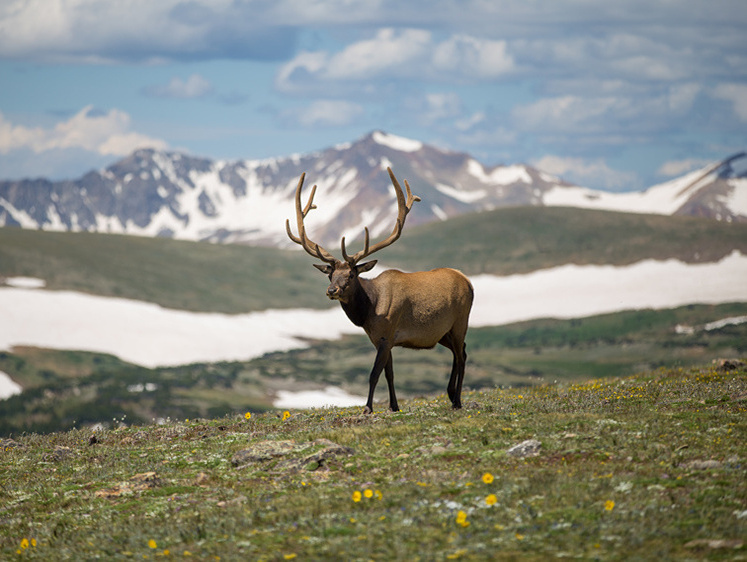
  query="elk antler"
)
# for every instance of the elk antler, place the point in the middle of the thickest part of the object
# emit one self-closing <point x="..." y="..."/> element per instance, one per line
<point x="403" y="206"/>
<point x="312" y="248"/>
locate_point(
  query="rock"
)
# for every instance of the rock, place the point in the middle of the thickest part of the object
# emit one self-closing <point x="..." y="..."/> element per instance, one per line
<point x="137" y="483"/>
<point x="525" y="449"/>
<point x="263" y="451"/>
<point x="703" y="465"/>
<point x="728" y="364"/>
<point x="60" y="453"/>
<point x="714" y="544"/>
<point x="268" y="450"/>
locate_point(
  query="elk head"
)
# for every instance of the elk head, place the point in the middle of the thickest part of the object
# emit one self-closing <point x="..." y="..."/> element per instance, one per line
<point x="343" y="275"/>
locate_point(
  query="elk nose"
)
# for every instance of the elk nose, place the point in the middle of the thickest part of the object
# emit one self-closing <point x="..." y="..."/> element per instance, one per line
<point x="333" y="292"/>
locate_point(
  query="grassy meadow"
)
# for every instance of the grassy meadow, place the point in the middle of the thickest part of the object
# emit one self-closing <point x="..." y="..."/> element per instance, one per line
<point x="234" y="279"/>
<point x="637" y="468"/>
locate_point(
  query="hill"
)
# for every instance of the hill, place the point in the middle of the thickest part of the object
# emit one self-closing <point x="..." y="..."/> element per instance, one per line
<point x="646" y="467"/>
<point x="236" y="278"/>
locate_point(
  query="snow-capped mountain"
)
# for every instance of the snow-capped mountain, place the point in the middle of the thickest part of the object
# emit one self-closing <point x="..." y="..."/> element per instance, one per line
<point x="717" y="191"/>
<point x="153" y="193"/>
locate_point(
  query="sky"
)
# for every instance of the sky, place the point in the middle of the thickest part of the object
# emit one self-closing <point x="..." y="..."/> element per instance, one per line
<point x="609" y="95"/>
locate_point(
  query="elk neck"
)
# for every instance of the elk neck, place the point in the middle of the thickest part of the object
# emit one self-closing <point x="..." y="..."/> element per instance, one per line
<point x="360" y="305"/>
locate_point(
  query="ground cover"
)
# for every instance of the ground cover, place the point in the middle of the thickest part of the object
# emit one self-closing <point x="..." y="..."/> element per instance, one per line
<point x="642" y="467"/>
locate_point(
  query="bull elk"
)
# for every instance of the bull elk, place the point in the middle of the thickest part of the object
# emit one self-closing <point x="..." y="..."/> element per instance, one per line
<point x="412" y="310"/>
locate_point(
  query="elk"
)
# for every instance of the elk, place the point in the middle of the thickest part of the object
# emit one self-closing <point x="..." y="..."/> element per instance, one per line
<point x="411" y="310"/>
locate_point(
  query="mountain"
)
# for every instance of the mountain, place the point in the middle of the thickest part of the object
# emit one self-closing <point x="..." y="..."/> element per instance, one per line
<point x="168" y="194"/>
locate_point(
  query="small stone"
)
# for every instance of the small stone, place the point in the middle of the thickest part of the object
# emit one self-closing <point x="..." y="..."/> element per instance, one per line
<point x="525" y="449"/>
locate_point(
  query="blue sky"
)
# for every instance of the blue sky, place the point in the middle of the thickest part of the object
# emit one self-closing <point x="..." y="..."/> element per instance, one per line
<point x="611" y="95"/>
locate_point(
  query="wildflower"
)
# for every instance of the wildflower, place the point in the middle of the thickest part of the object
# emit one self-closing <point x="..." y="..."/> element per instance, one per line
<point x="248" y="416"/>
<point x="491" y="499"/>
<point x="609" y="505"/>
<point x="368" y="493"/>
<point x="24" y="544"/>
<point x="286" y="415"/>
<point x="461" y="519"/>
<point x="487" y="478"/>
<point x="152" y="544"/>
<point x="356" y="496"/>
<point x="290" y="556"/>
<point x="378" y="494"/>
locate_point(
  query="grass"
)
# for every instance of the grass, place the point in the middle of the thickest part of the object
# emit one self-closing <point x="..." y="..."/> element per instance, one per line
<point x="234" y="279"/>
<point x="643" y="467"/>
<point x="65" y="389"/>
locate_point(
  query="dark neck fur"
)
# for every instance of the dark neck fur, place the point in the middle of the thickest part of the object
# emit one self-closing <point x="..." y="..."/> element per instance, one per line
<point x="359" y="306"/>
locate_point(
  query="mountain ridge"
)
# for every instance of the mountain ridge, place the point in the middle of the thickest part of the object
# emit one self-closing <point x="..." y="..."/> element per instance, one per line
<point x="174" y="195"/>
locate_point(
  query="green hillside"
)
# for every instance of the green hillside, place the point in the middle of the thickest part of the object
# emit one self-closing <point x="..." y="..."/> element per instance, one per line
<point x="234" y="279"/>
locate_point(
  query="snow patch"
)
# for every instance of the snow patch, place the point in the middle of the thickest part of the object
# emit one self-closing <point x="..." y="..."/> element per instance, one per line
<point x="460" y="195"/>
<point x="329" y="397"/>
<point x="25" y="282"/>
<point x="501" y="175"/>
<point x="397" y="143"/>
<point x="8" y="387"/>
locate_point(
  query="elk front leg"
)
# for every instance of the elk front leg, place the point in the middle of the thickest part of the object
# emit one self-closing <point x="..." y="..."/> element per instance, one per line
<point x="383" y="356"/>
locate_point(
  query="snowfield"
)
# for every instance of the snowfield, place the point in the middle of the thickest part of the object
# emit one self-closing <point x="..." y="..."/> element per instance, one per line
<point x="149" y="335"/>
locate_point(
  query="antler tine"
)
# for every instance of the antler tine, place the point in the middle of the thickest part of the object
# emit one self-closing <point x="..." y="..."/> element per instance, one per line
<point x="311" y="247"/>
<point x="403" y="208"/>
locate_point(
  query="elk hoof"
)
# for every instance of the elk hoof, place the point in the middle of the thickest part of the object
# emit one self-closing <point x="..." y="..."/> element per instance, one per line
<point x="367" y="410"/>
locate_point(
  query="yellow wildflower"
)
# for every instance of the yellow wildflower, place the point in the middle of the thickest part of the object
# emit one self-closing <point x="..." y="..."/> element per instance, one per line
<point x="152" y="544"/>
<point x="461" y="519"/>
<point x="286" y="415"/>
<point x="487" y="478"/>
<point x="368" y="493"/>
<point x="248" y="415"/>
<point x="609" y="505"/>
<point x="356" y="496"/>
<point x="378" y="494"/>
<point x="491" y="499"/>
<point x="24" y="544"/>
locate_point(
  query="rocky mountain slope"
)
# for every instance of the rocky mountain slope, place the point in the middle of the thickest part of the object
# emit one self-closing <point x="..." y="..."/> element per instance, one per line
<point x="153" y="193"/>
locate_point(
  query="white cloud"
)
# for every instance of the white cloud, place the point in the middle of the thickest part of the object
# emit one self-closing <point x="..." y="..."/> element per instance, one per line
<point x="410" y="54"/>
<point x="323" y="113"/>
<point x="589" y="173"/>
<point x="674" y="168"/>
<point x="735" y="93"/>
<point x="105" y="134"/>
<point x="195" y="86"/>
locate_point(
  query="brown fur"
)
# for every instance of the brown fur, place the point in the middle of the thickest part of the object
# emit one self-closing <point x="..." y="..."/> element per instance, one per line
<point x="413" y="310"/>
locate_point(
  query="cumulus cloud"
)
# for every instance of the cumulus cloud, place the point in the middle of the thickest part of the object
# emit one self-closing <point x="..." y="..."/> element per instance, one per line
<point x="410" y="54"/>
<point x="195" y="86"/>
<point x="102" y="133"/>
<point x="589" y="173"/>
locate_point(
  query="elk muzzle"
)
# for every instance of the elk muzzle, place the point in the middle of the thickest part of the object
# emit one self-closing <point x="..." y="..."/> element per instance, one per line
<point x="334" y="292"/>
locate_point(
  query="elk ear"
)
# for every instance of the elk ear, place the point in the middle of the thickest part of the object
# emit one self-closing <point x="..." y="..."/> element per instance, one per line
<point x="324" y="268"/>
<point x="368" y="266"/>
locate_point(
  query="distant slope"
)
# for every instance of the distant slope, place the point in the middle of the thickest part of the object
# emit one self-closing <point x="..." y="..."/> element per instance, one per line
<point x="235" y="278"/>
<point x="524" y="239"/>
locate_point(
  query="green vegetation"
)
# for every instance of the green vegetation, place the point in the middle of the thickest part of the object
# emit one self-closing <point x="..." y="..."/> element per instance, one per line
<point x="645" y="467"/>
<point x="235" y="279"/>
<point x="175" y="274"/>
<point x="66" y="389"/>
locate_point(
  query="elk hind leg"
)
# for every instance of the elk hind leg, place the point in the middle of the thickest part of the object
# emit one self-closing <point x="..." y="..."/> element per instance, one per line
<point x="458" y="349"/>
<point x="389" y="373"/>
